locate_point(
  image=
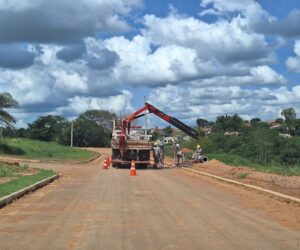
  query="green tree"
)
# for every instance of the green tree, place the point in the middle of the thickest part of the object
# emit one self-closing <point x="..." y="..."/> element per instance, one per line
<point x="21" y="132"/>
<point x="297" y="127"/>
<point x="100" y="117"/>
<point x="7" y="102"/>
<point x="290" y="154"/>
<point x="88" y="133"/>
<point x="228" y="123"/>
<point x="255" y="121"/>
<point x="155" y="135"/>
<point x="202" y="122"/>
<point x="261" y="145"/>
<point x="279" y="120"/>
<point x="290" y="119"/>
<point x="9" y="132"/>
<point x="168" y="131"/>
<point x="48" y="128"/>
<point x="289" y="114"/>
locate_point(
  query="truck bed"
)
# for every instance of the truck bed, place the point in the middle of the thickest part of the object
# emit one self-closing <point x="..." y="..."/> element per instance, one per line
<point x="132" y="144"/>
<point x="137" y="150"/>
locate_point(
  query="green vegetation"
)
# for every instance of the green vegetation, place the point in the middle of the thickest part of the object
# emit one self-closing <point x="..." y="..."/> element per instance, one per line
<point x="12" y="170"/>
<point x="230" y="139"/>
<point x="7" y="102"/>
<point x="238" y="161"/>
<point x="253" y="143"/>
<point x="260" y="146"/>
<point x="24" y="181"/>
<point x="26" y="148"/>
<point x="91" y="129"/>
<point x="168" y="131"/>
<point x="232" y="160"/>
<point x="169" y="150"/>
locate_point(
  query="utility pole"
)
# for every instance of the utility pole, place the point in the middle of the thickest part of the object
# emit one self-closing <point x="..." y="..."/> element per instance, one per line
<point x="145" y="118"/>
<point x="72" y="132"/>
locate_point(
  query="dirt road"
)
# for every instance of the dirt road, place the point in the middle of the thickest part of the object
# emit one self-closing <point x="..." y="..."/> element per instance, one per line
<point x="91" y="208"/>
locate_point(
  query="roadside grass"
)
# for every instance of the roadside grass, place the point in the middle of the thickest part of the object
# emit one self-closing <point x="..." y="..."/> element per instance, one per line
<point x="12" y="170"/>
<point x="33" y="149"/>
<point x="238" y="161"/>
<point x="169" y="150"/>
<point x="24" y="181"/>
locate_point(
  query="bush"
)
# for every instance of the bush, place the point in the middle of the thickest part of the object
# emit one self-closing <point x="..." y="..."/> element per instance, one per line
<point x="258" y="145"/>
<point x="290" y="154"/>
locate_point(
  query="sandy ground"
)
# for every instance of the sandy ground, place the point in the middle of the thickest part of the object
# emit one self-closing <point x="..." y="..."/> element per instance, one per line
<point x="289" y="185"/>
<point x="92" y="208"/>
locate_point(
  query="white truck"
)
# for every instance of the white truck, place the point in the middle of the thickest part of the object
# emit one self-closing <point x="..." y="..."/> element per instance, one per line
<point x="131" y="143"/>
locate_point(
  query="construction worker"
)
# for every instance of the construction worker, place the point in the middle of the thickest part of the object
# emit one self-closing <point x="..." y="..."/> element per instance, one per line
<point x="155" y="151"/>
<point x="199" y="150"/>
<point x="180" y="155"/>
<point x="198" y="153"/>
<point x="161" y="155"/>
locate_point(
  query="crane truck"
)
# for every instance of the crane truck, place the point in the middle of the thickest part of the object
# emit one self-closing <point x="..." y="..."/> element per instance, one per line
<point x="128" y="143"/>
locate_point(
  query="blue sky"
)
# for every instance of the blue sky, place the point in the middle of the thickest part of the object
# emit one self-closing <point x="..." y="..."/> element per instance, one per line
<point x="197" y="58"/>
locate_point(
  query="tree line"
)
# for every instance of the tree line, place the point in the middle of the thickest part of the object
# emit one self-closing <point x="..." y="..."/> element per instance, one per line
<point x="277" y="143"/>
<point x="253" y="139"/>
<point x="90" y="129"/>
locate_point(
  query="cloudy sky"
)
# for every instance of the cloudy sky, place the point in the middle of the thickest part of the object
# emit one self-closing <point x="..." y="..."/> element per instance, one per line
<point x="193" y="58"/>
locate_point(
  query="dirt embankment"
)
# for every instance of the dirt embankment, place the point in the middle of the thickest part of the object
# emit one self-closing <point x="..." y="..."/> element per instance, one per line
<point x="289" y="185"/>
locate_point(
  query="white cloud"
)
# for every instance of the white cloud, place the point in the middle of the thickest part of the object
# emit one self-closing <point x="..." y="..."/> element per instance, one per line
<point x="50" y="82"/>
<point x="260" y="75"/>
<point x="70" y="82"/>
<point x="119" y="104"/>
<point x="185" y="51"/>
<point x="285" y="27"/>
<point x="224" y="41"/>
<point x="47" y="21"/>
<point x="194" y="68"/>
<point x="266" y="75"/>
<point x="251" y="10"/>
<point x="139" y="66"/>
<point x="211" y="102"/>
<point x="228" y="5"/>
<point x="293" y="63"/>
<point x="27" y="86"/>
<point x="53" y="85"/>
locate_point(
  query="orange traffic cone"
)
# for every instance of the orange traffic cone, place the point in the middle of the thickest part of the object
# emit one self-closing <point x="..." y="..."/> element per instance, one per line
<point x="105" y="166"/>
<point x="108" y="161"/>
<point x="132" y="169"/>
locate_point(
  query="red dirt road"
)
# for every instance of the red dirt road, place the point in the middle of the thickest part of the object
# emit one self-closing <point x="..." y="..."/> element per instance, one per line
<point x="91" y="208"/>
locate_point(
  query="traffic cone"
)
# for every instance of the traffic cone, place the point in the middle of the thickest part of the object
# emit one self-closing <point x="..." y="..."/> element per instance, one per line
<point x="105" y="166"/>
<point x="108" y="161"/>
<point x="132" y="168"/>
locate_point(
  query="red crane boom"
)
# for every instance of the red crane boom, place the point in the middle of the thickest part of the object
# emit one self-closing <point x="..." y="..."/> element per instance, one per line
<point x="172" y="120"/>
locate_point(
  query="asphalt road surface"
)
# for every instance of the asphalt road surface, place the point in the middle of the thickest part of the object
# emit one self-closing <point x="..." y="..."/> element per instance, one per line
<point x="91" y="208"/>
